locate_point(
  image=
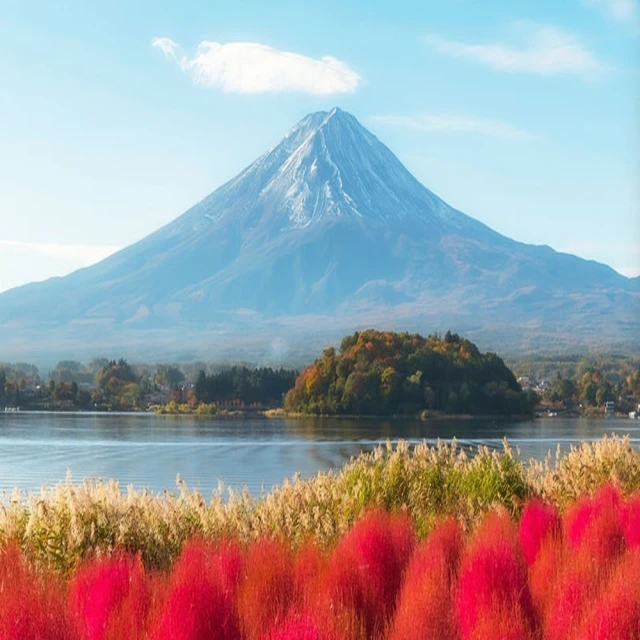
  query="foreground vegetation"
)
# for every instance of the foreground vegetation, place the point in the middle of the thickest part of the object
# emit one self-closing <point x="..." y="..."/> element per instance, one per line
<point x="63" y="525"/>
<point x="522" y="570"/>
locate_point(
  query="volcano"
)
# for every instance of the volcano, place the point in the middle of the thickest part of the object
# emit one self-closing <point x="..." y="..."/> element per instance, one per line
<point x="326" y="232"/>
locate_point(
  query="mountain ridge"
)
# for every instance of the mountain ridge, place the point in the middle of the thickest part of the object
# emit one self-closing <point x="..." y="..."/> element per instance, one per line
<point x="327" y="223"/>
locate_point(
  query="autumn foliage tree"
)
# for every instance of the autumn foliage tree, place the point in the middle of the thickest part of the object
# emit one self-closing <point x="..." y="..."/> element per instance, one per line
<point x="383" y="373"/>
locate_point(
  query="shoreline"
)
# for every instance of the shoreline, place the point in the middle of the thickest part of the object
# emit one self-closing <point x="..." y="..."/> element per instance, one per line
<point x="270" y="414"/>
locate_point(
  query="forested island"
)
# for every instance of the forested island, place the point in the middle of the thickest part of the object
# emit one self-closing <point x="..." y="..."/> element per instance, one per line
<point x="387" y="373"/>
<point x="372" y="373"/>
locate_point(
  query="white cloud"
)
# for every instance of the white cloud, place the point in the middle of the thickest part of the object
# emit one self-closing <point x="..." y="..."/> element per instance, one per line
<point x="618" y="10"/>
<point x="166" y="45"/>
<point x="249" y="67"/>
<point x="547" y="51"/>
<point x="456" y="124"/>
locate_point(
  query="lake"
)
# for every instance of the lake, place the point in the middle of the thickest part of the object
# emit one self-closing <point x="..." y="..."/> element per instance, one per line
<point x="146" y="450"/>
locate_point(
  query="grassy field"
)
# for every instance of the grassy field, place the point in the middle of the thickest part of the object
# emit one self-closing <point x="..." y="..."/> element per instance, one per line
<point x="401" y="543"/>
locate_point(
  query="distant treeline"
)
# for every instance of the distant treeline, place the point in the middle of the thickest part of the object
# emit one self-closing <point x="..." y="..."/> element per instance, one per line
<point x="263" y="386"/>
<point x="383" y="373"/>
<point x="614" y="368"/>
<point x="118" y="385"/>
<point x="373" y="372"/>
<point x="586" y="381"/>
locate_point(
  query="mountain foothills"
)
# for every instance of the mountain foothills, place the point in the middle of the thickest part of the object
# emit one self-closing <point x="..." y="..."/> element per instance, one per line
<point x="325" y="233"/>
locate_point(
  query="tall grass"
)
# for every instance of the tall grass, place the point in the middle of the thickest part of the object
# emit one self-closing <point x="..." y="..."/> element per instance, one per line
<point x="64" y="524"/>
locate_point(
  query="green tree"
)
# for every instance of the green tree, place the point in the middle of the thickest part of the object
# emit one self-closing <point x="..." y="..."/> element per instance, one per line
<point x="201" y="387"/>
<point x="589" y="393"/>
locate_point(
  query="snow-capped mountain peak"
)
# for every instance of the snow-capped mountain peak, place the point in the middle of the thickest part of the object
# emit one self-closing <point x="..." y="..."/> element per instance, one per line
<point x="330" y="167"/>
<point x="327" y="223"/>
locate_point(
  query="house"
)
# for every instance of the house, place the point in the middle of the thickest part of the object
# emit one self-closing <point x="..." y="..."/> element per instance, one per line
<point x="525" y="383"/>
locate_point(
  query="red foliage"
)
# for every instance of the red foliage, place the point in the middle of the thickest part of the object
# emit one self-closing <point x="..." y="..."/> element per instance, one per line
<point x="364" y="572"/>
<point x="594" y="535"/>
<point x="32" y="606"/>
<point x="616" y="614"/>
<point x="594" y="525"/>
<point x="296" y="627"/>
<point x="493" y="593"/>
<point x="539" y="521"/>
<point x="425" y="604"/>
<point x="266" y="588"/>
<point x="105" y="593"/>
<point x="308" y="567"/>
<point x="502" y="622"/>
<point x="200" y="599"/>
<point x="572" y="580"/>
<point x="630" y="521"/>
<point x="577" y="587"/>
<point x="544" y="572"/>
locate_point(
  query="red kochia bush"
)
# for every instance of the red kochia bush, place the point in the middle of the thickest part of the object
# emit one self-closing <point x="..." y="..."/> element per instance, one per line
<point x="493" y="595"/>
<point x="577" y="587"/>
<point x="308" y="567"/>
<point x="296" y="627"/>
<point x="538" y="521"/>
<point x="595" y="525"/>
<point x="201" y="594"/>
<point x="266" y="588"/>
<point x="32" y="606"/>
<point x="425" y="604"/>
<point x="109" y="592"/>
<point x="544" y="572"/>
<point x="616" y="613"/>
<point x="365" y="570"/>
<point x="630" y="521"/>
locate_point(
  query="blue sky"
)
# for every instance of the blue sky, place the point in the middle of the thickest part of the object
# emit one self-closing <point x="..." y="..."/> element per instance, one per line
<point x="117" y="116"/>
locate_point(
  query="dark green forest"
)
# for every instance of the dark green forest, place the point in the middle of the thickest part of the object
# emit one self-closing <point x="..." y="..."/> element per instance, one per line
<point x="265" y="386"/>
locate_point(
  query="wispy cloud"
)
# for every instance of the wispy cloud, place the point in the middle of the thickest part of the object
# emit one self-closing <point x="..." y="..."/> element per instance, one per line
<point x="543" y="50"/>
<point x="167" y="46"/>
<point x="456" y="124"/>
<point x="250" y="67"/>
<point x="84" y="254"/>
<point x="618" y="10"/>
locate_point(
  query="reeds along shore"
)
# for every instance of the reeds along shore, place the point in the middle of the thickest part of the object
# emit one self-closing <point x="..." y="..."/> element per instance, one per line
<point x="62" y="525"/>
<point x="401" y="543"/>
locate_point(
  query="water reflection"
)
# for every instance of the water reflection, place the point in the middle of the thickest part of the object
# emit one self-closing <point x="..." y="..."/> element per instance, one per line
<point x="147" y="450"/>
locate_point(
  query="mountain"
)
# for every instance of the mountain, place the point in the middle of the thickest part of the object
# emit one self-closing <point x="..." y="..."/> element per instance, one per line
<point x="325" y="232"/>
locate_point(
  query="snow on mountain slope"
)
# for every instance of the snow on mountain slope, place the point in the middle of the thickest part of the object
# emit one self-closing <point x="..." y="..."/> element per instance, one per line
<point x="328" y="222"/>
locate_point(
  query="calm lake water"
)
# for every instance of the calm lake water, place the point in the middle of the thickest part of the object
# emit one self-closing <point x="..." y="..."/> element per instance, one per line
<point x="148" y="450"/>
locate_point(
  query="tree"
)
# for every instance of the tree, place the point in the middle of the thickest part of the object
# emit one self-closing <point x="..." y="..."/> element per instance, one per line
<point x="604" y="394"/>
<point x="384" y="372"/>
<point x="201" y="387"/>
<point x="588" y="394"/>
<point x="168" y="376"/>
